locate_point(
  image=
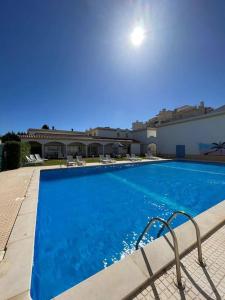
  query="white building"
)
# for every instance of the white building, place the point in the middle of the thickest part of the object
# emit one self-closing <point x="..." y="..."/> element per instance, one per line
<point x="110" y="132"/>
<point x="60" y="143"/>
<point x="193" y="136"/>
<point x="147" y="138"/>
<point x="199" y="135"/>
<point x="139" y="125"/>
<point x="183" y="112"/>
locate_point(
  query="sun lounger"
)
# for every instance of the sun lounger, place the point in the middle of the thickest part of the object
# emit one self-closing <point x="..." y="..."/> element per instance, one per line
<point x="80" y="161"/>
<point x="150" y="156"/>
<point x="111" y="160"/>
<point x="32" y="157"/>
<point x="128" y="157"/>
<point x="70" y="161"/>
<point x="132" y="157"/>
<point x="40" y="160"/>
<point x="38" y="157"/>
<point x="103" y="160"/>
<point x="32" y="161"/>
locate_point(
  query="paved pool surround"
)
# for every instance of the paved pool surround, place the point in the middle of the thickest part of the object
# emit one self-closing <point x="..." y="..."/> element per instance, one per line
<point x="119" y="281"/>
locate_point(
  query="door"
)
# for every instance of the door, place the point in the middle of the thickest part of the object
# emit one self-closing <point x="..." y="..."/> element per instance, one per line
<point x="180" y="151"/>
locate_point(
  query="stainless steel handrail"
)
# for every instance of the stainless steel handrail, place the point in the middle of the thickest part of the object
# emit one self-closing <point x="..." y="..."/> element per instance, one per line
<point x="176" y="252"/>
<point x="198" y="235"/>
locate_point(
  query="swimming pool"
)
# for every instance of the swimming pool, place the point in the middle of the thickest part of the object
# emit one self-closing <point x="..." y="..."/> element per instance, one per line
<point x="90" y="217"/>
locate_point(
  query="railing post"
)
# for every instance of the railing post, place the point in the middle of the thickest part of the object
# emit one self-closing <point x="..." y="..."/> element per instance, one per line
<point x="179" y="283"/>
<point x="198" y="235"/>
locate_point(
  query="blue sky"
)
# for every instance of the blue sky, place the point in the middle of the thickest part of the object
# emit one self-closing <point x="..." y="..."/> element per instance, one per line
<point x="71" y="64"/>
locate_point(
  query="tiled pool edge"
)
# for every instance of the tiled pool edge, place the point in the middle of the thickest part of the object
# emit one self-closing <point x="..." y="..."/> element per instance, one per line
<point x="16" y="267"/>
<point x="118" y="281"/>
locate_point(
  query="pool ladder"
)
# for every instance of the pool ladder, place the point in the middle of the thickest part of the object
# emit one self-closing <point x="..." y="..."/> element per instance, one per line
<point x="201" y="261"/>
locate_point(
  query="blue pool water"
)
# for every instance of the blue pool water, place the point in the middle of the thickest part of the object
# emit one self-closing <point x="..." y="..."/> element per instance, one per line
<point x="90" y="217"/>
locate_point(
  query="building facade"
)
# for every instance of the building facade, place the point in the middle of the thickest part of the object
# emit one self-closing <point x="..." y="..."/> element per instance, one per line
<point x="139" y="125"/>
<point x="57" y="144"/>
<point x="147" y="138"/>
<point x="116" y="133"/>
<point x="179" y="113"/>
<point x="201" y="135"/>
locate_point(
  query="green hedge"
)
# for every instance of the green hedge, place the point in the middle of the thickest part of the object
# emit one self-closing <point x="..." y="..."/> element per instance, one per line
<point x="1" y="156"/>
<point x="11" y="155"/>
<point x="14" y="154"/>
<point x="24" y="151"/>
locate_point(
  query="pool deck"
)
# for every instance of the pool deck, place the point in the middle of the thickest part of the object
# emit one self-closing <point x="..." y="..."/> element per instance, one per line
<point x="127" y="279"/>
<point x="13" y="189"/>
<point x="201" y="283"/>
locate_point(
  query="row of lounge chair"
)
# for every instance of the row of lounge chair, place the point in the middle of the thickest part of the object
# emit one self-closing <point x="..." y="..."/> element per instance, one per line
<point x="33" y="159"/>
<point x="150" y="156"/>
<point x="79" y="161"/>
<point x="133" y="157"/>
<point x="106" y="159"/>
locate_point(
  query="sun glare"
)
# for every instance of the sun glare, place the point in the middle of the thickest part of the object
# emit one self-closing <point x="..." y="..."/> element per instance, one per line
<point x="137" y="36"/>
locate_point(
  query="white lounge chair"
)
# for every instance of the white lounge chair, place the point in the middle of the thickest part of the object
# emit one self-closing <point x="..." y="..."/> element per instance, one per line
<point x="32" y="157"/>
<point x="31" y="161"/>
<point x="103" y="160"/>
<point x="134" y="157"/>
<point x="70" y="161"/>
<point x="40" y="160"/>
<point x="38" y="157"/>
<point x="80" y="161"/>
<point x="128" y="157"/>
<point x="110" y="159"/>
<point x="150" y="156"/>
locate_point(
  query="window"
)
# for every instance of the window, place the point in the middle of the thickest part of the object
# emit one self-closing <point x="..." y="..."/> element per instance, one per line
<point x="151" y="133"/>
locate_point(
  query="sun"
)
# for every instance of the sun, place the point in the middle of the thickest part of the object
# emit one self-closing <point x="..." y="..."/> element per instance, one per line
<point x="137" y="36"/>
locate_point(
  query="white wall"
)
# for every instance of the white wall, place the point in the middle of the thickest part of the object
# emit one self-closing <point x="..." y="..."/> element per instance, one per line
<point x="145" y="137"/>
<point x="206" y="130"/>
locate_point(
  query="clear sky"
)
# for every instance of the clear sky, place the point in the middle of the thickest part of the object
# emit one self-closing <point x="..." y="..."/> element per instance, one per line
<point x="70" y="63"/>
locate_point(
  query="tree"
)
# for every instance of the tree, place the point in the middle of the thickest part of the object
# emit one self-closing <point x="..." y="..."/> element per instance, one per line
<point x="45" y="126"/>
<point x="217" y="147"/>
<point x="10" y="136"/>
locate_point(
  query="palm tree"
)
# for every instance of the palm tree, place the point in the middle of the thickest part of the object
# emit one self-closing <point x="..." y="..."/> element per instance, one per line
<point x="217" y="147"/>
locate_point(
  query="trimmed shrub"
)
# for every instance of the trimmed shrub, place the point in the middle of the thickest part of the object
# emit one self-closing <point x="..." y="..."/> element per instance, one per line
<point x="1" y="157"/>
<point x="24" y="150"/>
<point x="11" y="155"/>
